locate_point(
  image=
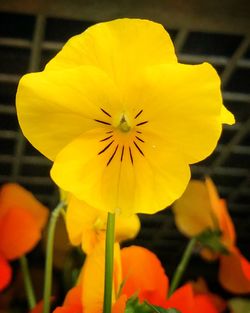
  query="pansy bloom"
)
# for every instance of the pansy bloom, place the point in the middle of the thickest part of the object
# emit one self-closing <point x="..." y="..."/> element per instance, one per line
<point x="22" y="219"/>
<point x="86" y="226"/>
<point x="200" y="209"/>
<point x="121" y="118"/>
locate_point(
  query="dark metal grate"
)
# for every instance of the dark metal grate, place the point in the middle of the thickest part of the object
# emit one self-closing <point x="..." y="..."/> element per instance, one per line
<point x="229" y="166"/>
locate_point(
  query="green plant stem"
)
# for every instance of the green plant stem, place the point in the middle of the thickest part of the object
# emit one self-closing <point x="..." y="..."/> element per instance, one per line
<point x="27" y="282"/>
<point x="182" y="266"/>
<point x="109" y="263"/>
<point x="49" y="257"/>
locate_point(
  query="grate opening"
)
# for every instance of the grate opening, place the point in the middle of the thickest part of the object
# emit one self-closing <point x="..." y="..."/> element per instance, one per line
<point x="201" y="43"/>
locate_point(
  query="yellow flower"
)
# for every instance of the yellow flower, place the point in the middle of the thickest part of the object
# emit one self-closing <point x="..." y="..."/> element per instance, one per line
<point x="121" y="118"/>
<point x="87" y="225"/>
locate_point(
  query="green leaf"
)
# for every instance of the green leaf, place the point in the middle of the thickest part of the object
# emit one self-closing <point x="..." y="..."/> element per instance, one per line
<point x="158" y="309"/>
<point x="134" y="306"/>
<point x="212" y="240"/>
<point x="239" y="305"/>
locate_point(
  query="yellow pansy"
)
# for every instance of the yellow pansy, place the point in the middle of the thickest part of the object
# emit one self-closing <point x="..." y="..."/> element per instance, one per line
<point x="121" y="118"/>
<point x="86" y="225"/>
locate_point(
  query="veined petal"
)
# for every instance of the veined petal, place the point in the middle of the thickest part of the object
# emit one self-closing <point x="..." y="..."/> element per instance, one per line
<point x="234" y="272"/>
<point x="182" y="103"/>
<point x="5" y="273"/>
<point x="193" y="212"/>
<point x="56" y="107"/>
<point x="119" y="47"/>
<point x="19" y="233"/>
<point x="143" y="275"/>
<point x="136" y="184"/>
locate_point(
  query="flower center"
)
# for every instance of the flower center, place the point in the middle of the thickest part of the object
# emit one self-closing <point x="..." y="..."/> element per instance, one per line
<point x="130" y="144"/>
<point x="124" y="126"/>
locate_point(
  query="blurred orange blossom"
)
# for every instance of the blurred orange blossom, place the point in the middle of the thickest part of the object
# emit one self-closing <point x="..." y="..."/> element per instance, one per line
<point x="199" y="209"/>
<point x="22" y="219"/>
<point x="138" y="272"/>
<point x="121" y="118"/>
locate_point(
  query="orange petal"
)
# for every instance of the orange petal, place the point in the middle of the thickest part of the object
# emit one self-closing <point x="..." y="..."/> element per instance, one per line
<point x="74" y="296"/>
<point x="143" y="274"/>
<point x="5" y="273"/>
<point x="68" y="309"/>
<point x="14" y="196"/>
<point x="221" y="214"/>
<point x="19" y="233"/>
<point x="234" y="272"/>
<point x="120" y="305"/>
<point x="182" y="299"/>
<point x="200" y="288"/>
<point x="39" y="306"/>
<point x="204" y="304"/>
<point x="226" y="225"/>
<point x="72" y="302"/>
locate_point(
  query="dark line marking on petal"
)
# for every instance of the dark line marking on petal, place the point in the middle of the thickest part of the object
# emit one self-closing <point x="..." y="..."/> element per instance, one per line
<point x="139" y="132"/>
<point x="142" y="123"/>
<point x="106" y="138"/>
<point x="138" y="114"/>
<point x="106" y="147"/>
<point x="131" y="157"/>
<point x="105" y="112"/>
<point x="102" y="122"/>
<point x="109" y="132"/>
<point x="112" y="156"/>
<point x="139" y="139"/>
<point x="138" y="148"/>
<point x="122" y="153"/>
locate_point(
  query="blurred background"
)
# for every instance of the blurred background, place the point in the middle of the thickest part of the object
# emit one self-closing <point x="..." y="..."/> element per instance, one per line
<point x="32" y="32"/>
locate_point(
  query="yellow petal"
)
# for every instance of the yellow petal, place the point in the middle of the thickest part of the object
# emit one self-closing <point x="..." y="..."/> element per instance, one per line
<point x="192" y="212"/>
<point x="87" y="225"/>
<point x="93" y="278"/>
<point x="148" y="184"/>
<point x="55" y="107"/>
<point x="226" y="116"/>
<point x="79" y="218"/>
<point x="182" y="104"/>
<point x="127" y="227"/>
<point x="120" y="48"/>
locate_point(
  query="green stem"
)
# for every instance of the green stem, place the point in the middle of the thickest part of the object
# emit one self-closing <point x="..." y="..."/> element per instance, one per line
<point x="49" y="257"/>
<point x="109" y="263"/>
<point x="27" y="282"/>
<point x="182" y="266"/>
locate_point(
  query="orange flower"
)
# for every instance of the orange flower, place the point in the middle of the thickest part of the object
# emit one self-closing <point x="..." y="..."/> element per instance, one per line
<point x="72" y="302"/>
<point x="138" y="272"/>
<point x="143" y="274"/>
<point x="186" y="300"/>
<point x="200" y="209"/>
<point x="22" y="218"/>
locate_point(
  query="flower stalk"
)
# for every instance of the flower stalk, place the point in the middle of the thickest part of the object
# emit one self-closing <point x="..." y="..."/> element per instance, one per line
<point x="109" y="263"/>
<point x="27" y="282"/>
<point x="182" y="266"/>
<point x="49" y="256"/>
